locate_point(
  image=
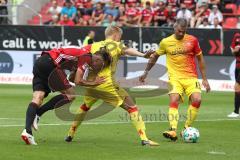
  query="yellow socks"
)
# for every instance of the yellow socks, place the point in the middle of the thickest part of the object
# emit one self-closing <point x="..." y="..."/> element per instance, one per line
<point x="81" y="113"/>
<point x="192" y="114"/>
<point x="137" y="121"/>
<point x="173" y="118"/>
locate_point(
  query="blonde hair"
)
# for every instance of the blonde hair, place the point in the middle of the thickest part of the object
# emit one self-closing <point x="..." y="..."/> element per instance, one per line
<point x="110" y="30"/>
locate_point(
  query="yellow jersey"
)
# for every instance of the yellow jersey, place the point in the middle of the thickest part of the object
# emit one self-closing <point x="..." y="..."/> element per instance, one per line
<point x="180" y="56"/>
<point x="116" y="51"/>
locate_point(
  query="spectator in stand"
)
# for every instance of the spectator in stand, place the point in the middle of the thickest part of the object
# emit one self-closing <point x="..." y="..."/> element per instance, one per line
<point x="190" y="4"/>
<point x="160" y="15"/>
<point x="111" y="10"/>
<point x="215" y="13"/>
<point x="78" y="16"/>
<point x="98" y="14"/>
<point x="173" y="3"/>
<point x="184" y="13"/>
<point x="205" y="24"/>
<point x="3" y="12"/>
<point x="55" y="9"/>
<point x="66" y="21"/>
<point x="122" y="16"/>
<point x="146" y="15"/>
<point x="82" y="22"/>
<point x="109" y="21"/>
<point x="130" y="22"/>
<point x="85" y="6"/>
<point x="201" y="13"/>
<point x="69" y="10"/>
<point x="130" y="2"/>
<point x="54" y="21"/>
<point x="216" y="24"/>
<point x="216" y="2"/>
<point x="172" y="11"/>
<point x="132" y="14"/>
<point x="144" y="2"/>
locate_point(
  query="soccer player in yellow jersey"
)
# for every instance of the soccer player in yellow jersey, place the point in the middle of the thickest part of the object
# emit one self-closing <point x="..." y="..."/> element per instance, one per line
<point x="180" y="50"/>
<point x="109" y="91"/>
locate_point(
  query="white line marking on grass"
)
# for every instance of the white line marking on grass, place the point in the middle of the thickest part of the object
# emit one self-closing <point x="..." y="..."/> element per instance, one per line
<point x="105" y="123"/>
<point x="11" y="118"/>
<point x="216" y="153"/>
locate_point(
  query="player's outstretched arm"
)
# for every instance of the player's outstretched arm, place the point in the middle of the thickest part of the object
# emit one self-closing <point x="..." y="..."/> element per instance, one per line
<point x="134" y="52"/>
<point x="202" y="68"/>
<point x="151" y="62"/>
<point x="79" y="80"/>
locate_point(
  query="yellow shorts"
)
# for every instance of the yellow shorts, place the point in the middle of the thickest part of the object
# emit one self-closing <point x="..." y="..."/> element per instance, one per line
<point x="111" y="94"/>
<point x="187" y="86"/>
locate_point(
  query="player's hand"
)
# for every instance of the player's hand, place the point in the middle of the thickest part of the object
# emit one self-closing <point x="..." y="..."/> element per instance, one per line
<point x="206" y="85"/>
<point x="143" y="77"/>
<point x="148" y="53"/>
<point x="100" y="80"/>
<point x="237" y="87"/>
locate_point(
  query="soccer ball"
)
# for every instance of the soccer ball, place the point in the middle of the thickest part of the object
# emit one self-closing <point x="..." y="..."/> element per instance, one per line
<point x="190" y="135"/>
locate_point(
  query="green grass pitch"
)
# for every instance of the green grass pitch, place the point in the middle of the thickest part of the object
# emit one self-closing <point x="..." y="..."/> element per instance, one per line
<point x="112" y="136"/>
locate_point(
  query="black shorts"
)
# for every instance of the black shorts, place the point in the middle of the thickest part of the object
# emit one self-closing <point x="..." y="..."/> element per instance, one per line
<point x="237" y="75"/>
<point x="48" y="77"/>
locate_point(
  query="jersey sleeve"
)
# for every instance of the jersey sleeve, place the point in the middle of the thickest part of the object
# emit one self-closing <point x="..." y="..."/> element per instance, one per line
<point x="121" y="48"/>
<point x="75" y="51"/>
<point x="161" y="50"/>
<point x="84" y="60"/>
<point x="197" y="50"/>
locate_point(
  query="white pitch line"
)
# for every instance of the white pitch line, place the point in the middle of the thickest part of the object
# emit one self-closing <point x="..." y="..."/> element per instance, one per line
<point x="216" y="153"/>
<point x="109" y="122"/>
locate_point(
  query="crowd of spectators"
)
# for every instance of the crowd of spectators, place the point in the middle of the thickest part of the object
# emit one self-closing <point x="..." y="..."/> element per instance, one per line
<point x="136" y="13"/>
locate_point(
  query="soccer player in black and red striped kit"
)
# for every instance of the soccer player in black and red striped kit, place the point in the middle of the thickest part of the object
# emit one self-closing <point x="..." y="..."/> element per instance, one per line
<point x="49" y="75"/>
<point x="235" y="48"/>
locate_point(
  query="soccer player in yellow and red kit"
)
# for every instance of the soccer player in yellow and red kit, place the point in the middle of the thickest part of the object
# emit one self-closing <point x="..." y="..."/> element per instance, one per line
<point x="181" y="50"/>
<point x="110" y="91"/>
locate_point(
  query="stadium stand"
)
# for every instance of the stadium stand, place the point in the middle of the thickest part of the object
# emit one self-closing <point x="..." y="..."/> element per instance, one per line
<point x="134" y="12"/>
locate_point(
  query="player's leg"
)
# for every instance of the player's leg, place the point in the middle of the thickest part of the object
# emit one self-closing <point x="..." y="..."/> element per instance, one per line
<point x="173" y="116"/>
<point x="193" y="108"/>
<point x="137" y="120"/>
<point x="237" y="98"/>
<point x="175" y="97"/>
<point x="27" y="135"/>
<point x="80" y="115"/>
<point x="57" y="81"/>
<point x="41" y="70"/>
<point x="193" y="91"/>
<point x="66" y="97"/>
<point x="235" y="113"/>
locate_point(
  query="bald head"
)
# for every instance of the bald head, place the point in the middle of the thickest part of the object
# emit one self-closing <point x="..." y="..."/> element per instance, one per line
<point x="180" y="28"/>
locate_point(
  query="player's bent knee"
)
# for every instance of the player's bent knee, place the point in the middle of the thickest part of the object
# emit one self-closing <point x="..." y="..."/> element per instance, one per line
<point x="174" y="104"/>
<point x="196" y="103"/>
<point x="38" y="99"/>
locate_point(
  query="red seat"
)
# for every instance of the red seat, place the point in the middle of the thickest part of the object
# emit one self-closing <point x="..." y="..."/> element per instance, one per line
<point x="230" y="23"/>
<point x="232" y="6"/>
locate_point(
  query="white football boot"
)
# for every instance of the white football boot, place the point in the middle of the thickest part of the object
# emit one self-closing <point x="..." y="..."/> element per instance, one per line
<point x="233" y="115"/>
<point x="28" y="138"/>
